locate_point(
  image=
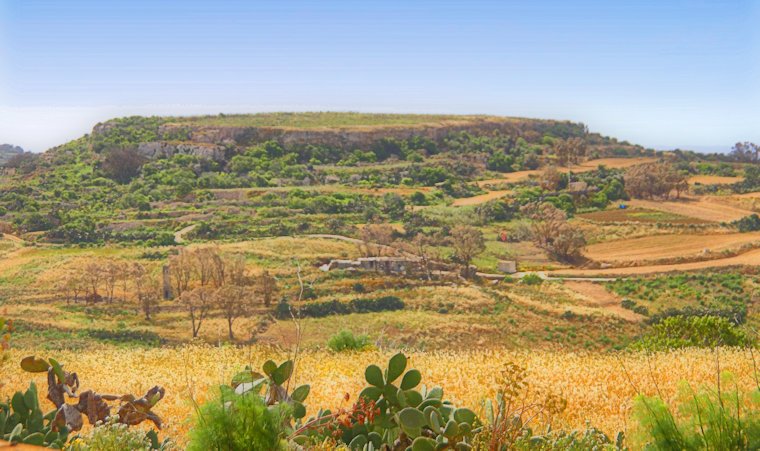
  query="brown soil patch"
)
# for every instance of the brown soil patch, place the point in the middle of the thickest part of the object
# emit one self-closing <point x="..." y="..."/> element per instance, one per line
<point x="714" y="180"/>
<point x="705" y="208"/>
<point x="481" y="199"/>
<point x="660" y="247"/>
<point x="640" y="215"/>
<point x="746" y="259"/>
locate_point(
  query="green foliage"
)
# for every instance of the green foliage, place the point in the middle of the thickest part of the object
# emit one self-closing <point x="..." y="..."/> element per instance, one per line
<point x="590" y="438"/>
<point x="392" y="412"/>
<point x="113" y="435"/>
<point x="532" y="279"/>
<point x="345" y="340"/>
<point x="749" y="223"/>
<point x="334" y="307"/>
<point x="686" y="331"/>
<point x="22" y="421"/>
<point x="236" y="422"/>
<point x="707" y="419"/>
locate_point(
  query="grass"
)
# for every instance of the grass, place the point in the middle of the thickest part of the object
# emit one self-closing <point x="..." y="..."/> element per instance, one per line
<point x="595" y="386"/>
<point x="323" y="119"/>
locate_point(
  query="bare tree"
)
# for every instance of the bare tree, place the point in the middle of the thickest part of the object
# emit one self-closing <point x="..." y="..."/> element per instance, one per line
<point x="182" y="268"/>
<point x="110" y="271"/>
<point x="654" y="180"/>
<point x="147" y="291"/>
<point x="467" y="242"/>
<point x="92" y="275"/>
<point x="551" y="231"/>
<point x="234" y="302"/>
<point x="421" y="246"/>
<point x="570" y="151"/>
<point x="199" y="303"/>
<point x="375" y="239"/>
<point x="267" y="286"/>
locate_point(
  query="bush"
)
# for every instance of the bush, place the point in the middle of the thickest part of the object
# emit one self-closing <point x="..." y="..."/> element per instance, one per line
<point x="346" y="341"/>
<point x="114" y="435"/>
<point x="236" y="422"/>
<point x="532" y="279"/>
<point x="686" y="331"/>
<point x="708" y="419"/>
<point x="334" y="307"/>
<point x="749" y="223"/>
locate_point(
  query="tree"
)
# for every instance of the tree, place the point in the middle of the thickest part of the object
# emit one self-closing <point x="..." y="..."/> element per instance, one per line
<point x="570" y="151"/>
<point x="147" y="291"/>
<point x="552" y="233"/>
<point x="746" y="152"/>
<point x="653" y="180"/>
<point x="122" y="164"/>
<point x="198" y="303"/>
<point x="93" y="276"/>
<point x="552" y="179"/>
<point x="111" y="270"/>
<point x="234" y="301"/>
<point x="182" y="268"/>
<point x="267" y="286"/>
<point x="375" y="239"/>
<point x="467" y="242"/>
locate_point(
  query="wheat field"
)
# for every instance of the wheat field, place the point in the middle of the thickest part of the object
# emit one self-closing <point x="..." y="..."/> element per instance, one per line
<point x="599" y="388"/>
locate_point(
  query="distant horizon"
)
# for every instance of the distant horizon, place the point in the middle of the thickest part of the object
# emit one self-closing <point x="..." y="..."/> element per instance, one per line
<point x="701" y="148"/>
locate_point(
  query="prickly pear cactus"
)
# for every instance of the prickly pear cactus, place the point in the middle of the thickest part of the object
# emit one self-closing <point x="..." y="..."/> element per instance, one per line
<point x="404" y="415"/>
<point x="22" y="421"/>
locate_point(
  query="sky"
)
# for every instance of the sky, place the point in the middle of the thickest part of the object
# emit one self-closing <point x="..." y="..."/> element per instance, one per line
<point x="662" y="73"/>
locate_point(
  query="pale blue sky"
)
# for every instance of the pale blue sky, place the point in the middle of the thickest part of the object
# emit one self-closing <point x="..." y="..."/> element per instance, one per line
<point x="660" y="73"/>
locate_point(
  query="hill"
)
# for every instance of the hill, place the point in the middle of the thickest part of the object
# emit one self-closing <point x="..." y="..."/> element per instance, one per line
<point x="8" y="151"/>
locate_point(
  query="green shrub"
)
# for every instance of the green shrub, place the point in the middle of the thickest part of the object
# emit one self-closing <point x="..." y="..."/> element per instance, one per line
<point x="346" y="341"/>
<point x="335" y="307"/>
<point x="532" y="279"/>
<point x="236" y="422"/>
<point x="22" y="421"/>
<point x="114" y="435"/>
<point x="749" y="223"/>
<point x="706" y="420"/>
<point x="685" y="331"/>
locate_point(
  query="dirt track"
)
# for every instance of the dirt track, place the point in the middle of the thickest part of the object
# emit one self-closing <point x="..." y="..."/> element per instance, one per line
<point x="660" y="247"/>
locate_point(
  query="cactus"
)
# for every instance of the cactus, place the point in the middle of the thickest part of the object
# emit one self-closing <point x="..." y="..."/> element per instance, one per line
<point x="63" y="384"/>
<point x="274" y="377"/>
<point x="22" y="421"/>
<point x="393" y="414"/>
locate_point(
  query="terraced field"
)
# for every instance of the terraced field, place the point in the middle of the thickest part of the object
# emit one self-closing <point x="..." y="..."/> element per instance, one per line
<point x="707" y="208"/>
<point x="671" y="246"/>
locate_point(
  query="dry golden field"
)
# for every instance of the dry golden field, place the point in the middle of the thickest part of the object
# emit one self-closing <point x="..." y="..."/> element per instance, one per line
<point x="599" y="388"/>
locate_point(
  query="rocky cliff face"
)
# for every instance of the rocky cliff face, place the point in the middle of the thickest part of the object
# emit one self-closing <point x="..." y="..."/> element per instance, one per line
<point x="162" y="137"/>
<point x="349" y="138"/>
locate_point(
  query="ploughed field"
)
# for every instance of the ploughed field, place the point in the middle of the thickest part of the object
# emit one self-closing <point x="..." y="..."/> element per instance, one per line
<point x="670" y="246"/>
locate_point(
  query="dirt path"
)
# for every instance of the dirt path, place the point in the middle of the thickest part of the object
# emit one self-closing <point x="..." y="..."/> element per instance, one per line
<point x="9" y="237"/>
<point x="658" y="247"/>
<point x="179" y="235"/>
<point x="748" y="258"/>
<point x="595" y="295"/>
<point x="705" y="208"/>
